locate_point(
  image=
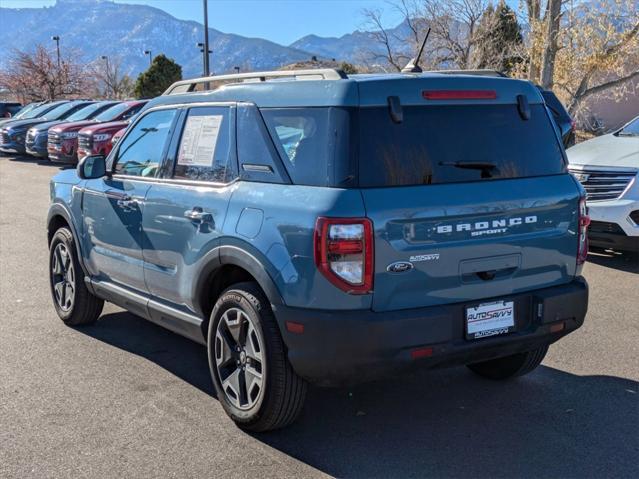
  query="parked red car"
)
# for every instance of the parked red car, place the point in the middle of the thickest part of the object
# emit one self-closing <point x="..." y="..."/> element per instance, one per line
<point x="98" y="139"/>
<point x="64" y="145"/>
<point x="117" y="136"/>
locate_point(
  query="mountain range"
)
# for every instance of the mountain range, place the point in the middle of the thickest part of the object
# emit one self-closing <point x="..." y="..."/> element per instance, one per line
<point x="96" y="28"/>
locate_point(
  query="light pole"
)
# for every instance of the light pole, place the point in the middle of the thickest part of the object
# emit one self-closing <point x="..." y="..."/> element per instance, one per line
<point x="206" y="39"/>
<point x="108" y="81"/>
<point x="204" y="57"/>
<point x="56" y="39"/>
<point x="148" y="52"/>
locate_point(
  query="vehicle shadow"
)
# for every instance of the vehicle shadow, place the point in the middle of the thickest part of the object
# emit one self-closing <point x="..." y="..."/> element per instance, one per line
<point x="180" y="356"/>
<point x="620" y="260"/>
<point x="443" y="423"/>
<point x="39" y="161"/>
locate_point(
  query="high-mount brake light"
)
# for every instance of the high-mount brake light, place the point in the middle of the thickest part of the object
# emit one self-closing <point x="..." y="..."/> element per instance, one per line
<point x="459" y="94"/>
<point x="344" y="252"/>
<point x="584" y="221"/>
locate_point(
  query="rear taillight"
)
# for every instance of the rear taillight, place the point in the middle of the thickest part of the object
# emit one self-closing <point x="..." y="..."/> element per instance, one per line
<point x="344" y="252"/>
<point x="584" y="221"/>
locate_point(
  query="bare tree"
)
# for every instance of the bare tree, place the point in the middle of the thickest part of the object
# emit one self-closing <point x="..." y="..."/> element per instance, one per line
<point x="109" y="79"/>
<point x="454" y="27"/>
<point x="389" y="53"/>
<point x="37" y="76"/>
<point x="454" y="33"/>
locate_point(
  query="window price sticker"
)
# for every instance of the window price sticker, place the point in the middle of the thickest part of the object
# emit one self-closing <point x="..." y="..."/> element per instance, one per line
<point x="199" y="140"/>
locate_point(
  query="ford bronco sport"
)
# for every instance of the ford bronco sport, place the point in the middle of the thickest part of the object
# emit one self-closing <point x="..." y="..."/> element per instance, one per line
<point x="312" y="227"/>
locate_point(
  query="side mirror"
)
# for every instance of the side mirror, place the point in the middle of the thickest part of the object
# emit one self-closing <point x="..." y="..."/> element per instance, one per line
<point x="92" y="167"/>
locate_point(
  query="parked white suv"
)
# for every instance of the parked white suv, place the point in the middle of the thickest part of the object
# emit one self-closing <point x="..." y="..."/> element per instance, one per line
<point x="608" y="167"/>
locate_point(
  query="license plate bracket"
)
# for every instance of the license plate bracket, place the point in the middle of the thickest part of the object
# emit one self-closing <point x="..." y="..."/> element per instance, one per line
<point x="490" y="319"/>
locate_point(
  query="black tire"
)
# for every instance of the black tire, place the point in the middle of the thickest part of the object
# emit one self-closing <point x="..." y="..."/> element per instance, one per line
<point x="510" y="366"/>
<point x="282" y="392"/>
<point x="85" y="308"/>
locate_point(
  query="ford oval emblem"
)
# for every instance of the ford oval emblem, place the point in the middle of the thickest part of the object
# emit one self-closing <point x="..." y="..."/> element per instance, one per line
<point x="399" y="267"/>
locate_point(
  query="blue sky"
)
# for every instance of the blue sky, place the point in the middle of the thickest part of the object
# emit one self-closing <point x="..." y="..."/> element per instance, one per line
<point x="282" y="21"/>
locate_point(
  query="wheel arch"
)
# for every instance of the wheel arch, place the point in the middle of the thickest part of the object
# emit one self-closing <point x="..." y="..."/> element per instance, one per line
<point x="230" y="265"/>
<point x="59" y="217"/>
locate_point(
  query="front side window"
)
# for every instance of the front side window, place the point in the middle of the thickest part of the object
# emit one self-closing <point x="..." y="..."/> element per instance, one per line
<point x="141" y="151"/>
<point x="205" y="152"/>
<point x="132" y="112"/>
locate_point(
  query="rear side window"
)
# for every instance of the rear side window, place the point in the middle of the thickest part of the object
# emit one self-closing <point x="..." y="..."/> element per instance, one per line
<point x="455" y="143"/>
<point x="206" y="149"/>
<point x="314" y="144"/>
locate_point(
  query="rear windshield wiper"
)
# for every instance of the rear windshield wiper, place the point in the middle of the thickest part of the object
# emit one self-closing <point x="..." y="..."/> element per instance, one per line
<point x="485" y="167"/>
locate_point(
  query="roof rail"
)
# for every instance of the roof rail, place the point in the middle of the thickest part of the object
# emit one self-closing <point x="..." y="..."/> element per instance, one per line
<point x="479" y="72"/>
<point x="185" y="86"/>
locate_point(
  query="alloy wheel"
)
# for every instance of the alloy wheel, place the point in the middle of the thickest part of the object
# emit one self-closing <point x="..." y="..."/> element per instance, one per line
<point x="239" y="359"/>
<point x="63" y="277"/>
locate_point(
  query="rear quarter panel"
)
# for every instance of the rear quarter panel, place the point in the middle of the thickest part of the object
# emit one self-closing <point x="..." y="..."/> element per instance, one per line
<point x="277" y="222"/>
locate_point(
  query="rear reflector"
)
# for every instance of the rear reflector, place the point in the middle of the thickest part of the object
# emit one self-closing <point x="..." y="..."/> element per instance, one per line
<point x="421" y="353"/>
<point x="459" y="94"/>
<point x="555" y="328"/>
<point x="295" y="328"/>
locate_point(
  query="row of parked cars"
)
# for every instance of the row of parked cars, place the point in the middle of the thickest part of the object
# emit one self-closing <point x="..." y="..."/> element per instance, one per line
<point x="67" y="130"/>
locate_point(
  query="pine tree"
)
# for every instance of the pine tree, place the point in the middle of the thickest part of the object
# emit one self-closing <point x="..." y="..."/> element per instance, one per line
<point x="158" y="77"/>
<point x="500" y="39"/>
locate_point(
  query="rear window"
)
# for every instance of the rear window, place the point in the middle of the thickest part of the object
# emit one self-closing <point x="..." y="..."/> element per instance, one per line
<point x="455" y="143"/>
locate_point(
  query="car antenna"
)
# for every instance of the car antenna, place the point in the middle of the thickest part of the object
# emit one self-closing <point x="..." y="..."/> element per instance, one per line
<point x="413" y="65"/>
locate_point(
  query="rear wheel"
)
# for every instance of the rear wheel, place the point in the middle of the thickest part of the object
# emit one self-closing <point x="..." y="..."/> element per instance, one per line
<point x="510" y="366"/>
<point x="253" y="379"/>
<point x="73" y="302"/>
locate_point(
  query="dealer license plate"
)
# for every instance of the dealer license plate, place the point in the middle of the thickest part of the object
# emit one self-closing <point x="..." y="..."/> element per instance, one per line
<point x="490" y="319"/>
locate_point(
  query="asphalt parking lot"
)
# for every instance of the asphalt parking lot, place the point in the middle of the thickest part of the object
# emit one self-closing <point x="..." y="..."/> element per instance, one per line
<point x="125" y="398"/>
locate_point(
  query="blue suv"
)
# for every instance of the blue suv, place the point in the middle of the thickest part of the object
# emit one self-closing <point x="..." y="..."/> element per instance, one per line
<point x="309" y="227"/>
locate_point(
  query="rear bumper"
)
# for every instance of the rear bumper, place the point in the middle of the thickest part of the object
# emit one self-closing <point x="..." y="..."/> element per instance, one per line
<point x="347" y="347"/>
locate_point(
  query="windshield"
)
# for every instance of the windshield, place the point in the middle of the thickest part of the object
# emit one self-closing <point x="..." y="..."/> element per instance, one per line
<point x="22" y="114"/>
<point x="112" y="113"/>
<point x="58" y="112"/>
<point x="455" y="143"/>
<point x="36" y="112"/>
<point x="86" y="112"/>
<point x="631" y="129"/>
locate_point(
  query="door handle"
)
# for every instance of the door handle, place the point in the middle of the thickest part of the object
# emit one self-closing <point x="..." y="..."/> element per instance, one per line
<point x="127" y="203"/>
<point x="122" y="200"/>
<point x="198" y="215"/>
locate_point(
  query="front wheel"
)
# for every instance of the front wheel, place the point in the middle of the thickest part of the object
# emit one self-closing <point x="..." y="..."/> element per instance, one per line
<point x="73" y="302"/>
<point x="510" y="366"/>
<point x="253" y="379"/>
